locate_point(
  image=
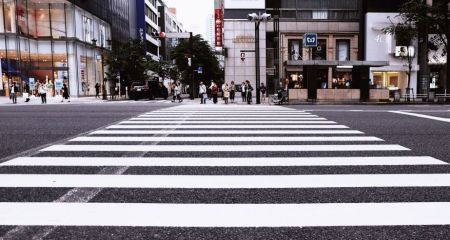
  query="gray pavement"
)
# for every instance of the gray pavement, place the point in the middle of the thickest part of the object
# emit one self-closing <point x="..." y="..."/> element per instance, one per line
<point x="290" y="180"/>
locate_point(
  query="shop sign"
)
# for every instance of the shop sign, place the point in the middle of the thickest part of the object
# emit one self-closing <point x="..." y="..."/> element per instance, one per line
<point x="58" y="84"/>
<point x="310" y="40"/>
<point x="218" y="23"/>
<point x="244" y="39"/>
<point x="32" y="83"/>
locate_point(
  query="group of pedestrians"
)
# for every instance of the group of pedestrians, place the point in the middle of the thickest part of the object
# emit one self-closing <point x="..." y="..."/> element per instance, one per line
<point x="229" y="92"/>
<point x="41" y="91"/>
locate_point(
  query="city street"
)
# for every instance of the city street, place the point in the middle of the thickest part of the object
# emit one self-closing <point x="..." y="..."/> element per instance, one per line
<point x="149" y="170"/>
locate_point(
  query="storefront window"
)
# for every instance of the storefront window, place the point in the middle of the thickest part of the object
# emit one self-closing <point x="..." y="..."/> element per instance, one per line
<point x="87" y="29"/>
<point x="22" y="15"/>
<point x="320" y="52"/>
<point x="342" y="78"/>
<point x="42" y="14"/>
<point x="295" y="49"/>
<point x="58" y="20"/>
<point x="9" y="17"/>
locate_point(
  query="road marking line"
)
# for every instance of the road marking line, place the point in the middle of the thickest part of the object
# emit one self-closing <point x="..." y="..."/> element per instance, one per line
<point x="229" y="119"/>
<point x="225" y="148"/>
<point x="223" y="181"/>
<point x="228" y="132"/>
<point x="223" y="162"/>
<point x="229" y="122"/>
<point x="225" y="215"/>
<point x="227" y="127"/>
<point x="423" y="116"/>
<point x="227" y="139"/>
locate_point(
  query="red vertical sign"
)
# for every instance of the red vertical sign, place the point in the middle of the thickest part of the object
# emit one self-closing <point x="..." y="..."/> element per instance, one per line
<point x="218" y="23"/>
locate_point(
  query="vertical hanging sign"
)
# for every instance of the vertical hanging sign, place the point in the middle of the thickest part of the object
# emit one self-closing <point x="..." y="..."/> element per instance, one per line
<point x="218" y="23"/>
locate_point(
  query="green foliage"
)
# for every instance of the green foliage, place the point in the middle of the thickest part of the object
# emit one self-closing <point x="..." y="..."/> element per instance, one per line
<point x="435" y="17"/>
<point x="202" y="56"/>
<point x="129" y="61"/>
<point x="404" y="32"/>
<point x="164" y="70"/>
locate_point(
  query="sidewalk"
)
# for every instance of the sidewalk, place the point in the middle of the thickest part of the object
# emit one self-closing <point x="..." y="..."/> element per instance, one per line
<point x="50" y="100"/>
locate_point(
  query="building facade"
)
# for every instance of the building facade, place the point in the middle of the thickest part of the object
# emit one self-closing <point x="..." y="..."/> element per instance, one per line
<point x="147" y="17"/>
<point x="168" y="23"/>
<point x="52" y="43"/>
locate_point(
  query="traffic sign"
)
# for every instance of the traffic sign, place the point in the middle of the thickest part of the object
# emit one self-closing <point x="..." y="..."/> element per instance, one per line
<point x="200" y="70"/>
<point x="310" y="40"/>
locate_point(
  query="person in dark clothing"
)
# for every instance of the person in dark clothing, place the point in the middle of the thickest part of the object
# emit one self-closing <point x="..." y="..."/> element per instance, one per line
<point x="214" y="92"/>
<point x="13" y="93"/>
<point x="249" y="90"/>
<point x="27" y="91"/>
<point x="65" y="93"/>
<point x="97" y="90"/>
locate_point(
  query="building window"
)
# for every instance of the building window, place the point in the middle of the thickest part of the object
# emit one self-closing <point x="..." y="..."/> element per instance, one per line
<point x="87" y="29"/>
<point x="102" y="35"/>
<point x="295" y="49"/>
<point x="343" y="50"/>
<point x="320" y="52"/>
<point x="320" y="14"/>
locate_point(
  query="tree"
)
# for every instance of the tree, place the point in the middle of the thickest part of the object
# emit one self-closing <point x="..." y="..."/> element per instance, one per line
<point x="164" y="70"/>
<point x="434" y="17"/>
<point x="405" y="33"/>
<point x="201" y="55"/>
<point x="129" y="61"/>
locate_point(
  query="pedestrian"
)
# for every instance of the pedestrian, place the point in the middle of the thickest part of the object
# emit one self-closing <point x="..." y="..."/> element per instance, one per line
<point x="13" y="93"/>
<point x="243" y="92"/>
<point x="263" y="90"/>
<point x="65" y="93"/>
<point x="226" y="93"/>
<point x="202" y="93"/>
<point x="43" y="92"/>
<point x="214" y="92"/>
<point x="178" y="89"/>
<point x="172" y="91"/>
<point x="27" y="92"/>
<point x="232" y="91"/>
<point x="249" y="90"/>
<point x="97" y="90"/>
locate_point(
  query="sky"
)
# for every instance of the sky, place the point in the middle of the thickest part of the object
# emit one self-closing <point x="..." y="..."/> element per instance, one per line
<point x="193" y="13"/>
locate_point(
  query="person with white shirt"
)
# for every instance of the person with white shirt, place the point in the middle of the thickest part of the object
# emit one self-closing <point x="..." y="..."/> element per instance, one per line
<point x="43" y="92"/>
<point x="202" y="93"/>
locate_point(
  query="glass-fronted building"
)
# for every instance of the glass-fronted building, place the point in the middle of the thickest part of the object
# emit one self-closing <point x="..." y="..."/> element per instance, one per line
<point x="51" y="42"/>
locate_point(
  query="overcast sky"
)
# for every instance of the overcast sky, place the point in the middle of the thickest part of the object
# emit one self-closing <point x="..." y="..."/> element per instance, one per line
<point x="193" y="13"/>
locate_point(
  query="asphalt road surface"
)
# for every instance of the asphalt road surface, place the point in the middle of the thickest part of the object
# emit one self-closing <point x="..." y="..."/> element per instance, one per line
<point x="146" y="171"/>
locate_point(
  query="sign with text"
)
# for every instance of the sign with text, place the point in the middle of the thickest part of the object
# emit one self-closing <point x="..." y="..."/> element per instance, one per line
<point x="58" y="84"/>
<point x="218" y="25"/>
<point x="31" y="83"/>
<point x="310" y="40"/>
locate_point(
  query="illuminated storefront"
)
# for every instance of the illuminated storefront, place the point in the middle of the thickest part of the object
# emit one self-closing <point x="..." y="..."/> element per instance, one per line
<point x="51" y="42"/>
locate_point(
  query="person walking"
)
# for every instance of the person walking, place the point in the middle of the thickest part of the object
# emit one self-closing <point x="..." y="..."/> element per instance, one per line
<point x="97" y="90"/>
<point x="243" y="92"/>
<point x="202" y="93"/>
<point x="13" y="93"/>
<point x="226" y="93"/>
<point x="43" y="92"/>
<point x="249" y="90"/>
<point x="263" y="90"/>
<point x="65" y="93"/>
<point x="214" y="92"/>
<point x="27" y="92"/>
<point x="232" y="91"/>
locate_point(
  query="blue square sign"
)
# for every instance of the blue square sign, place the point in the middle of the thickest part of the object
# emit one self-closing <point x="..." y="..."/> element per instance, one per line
<point x="310" y="40"/>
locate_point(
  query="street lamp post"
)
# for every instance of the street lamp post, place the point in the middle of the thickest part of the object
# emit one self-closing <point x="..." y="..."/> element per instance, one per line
<point x="258" y="18"/>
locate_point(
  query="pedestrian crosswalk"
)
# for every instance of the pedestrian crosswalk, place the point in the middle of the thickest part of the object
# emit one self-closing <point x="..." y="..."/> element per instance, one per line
<point x="223" y="167"/>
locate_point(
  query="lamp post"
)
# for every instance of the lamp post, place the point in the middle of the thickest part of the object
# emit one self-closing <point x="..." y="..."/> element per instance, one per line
<point x="258" y="18"/>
